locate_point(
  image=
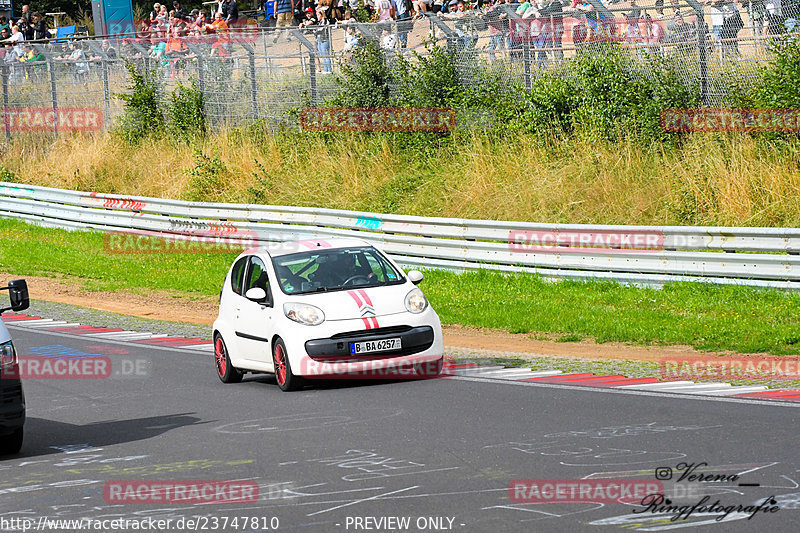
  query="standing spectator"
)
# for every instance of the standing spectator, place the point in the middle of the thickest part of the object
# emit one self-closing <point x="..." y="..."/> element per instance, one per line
<point x="219" y="27"/>
<point x="283" y="11"/>
<point x="154" y="13"/>
<point x="25" y="28"/>
<point x="26" y="14"/>
<point x="732" y="24"/>
<point x="717" y="18"/>
<point x="421" y="7"/>
<point x="4" y="24"/>
<point x="497" y="19"/>
<point x="554" y="11"/>
<point x="404" y="9"/>
<point x="325" y="21"/>
<point x="683" y="33"/>
<point x="179" y="11"/>
<point x="162" y="19"/>
<point x="385" y="10"/>
<point x="464" y="26"/>
<point x="654" y="33"/>
<point x="231" y="11"/>
<point x="350" y="38"/>
<point x="39" y="27"/>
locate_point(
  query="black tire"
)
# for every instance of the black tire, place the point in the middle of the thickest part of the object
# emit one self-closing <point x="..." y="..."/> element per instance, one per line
<point x="11" y="444"/>
<point x="430" y="369"/>
<point x="226" y="372"/>
<point x="284" y="376"/>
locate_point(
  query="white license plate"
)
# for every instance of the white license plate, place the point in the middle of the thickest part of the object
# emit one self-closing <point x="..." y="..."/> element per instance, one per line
<point x="384" y="345"/>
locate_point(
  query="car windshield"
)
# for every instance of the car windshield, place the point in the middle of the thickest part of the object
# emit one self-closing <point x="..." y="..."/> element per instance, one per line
<point x="332" y="270"/>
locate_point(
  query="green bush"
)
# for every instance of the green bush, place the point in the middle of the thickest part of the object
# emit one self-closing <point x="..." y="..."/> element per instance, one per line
<point x="142" y="115"/>
<point x="779" y="83"/>
<point x="186" y="112"/>
<point x="366" y="80"/>
<point x="431" y="80"/>
<point x="207" y="179"/>
<point x="602" y="93"/>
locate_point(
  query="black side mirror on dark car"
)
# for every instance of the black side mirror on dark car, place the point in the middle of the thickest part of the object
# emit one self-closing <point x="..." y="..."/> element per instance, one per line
<point x="18" y="293"/>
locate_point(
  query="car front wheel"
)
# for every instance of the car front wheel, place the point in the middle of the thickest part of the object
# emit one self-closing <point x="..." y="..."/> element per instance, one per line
<point x="225" y="370"/>
<point x="11" y="444"/>
<point x="287" y="381"/>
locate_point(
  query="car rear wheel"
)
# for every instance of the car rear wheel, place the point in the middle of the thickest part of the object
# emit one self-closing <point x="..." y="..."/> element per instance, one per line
<point x="287" y="381"/>
<point x="429" y="369"/>
<point x="226" y="372"/>
<point x="11" y="444"/>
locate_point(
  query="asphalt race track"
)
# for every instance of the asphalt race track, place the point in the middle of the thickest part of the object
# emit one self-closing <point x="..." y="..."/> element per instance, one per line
<point x="430" y="455"/>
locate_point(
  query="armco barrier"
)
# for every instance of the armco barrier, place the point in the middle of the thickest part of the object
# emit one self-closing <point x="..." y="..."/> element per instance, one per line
<point x="765" y="257"/>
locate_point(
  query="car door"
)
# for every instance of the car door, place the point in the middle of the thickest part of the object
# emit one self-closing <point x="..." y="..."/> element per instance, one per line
<point x="255" y="319"/>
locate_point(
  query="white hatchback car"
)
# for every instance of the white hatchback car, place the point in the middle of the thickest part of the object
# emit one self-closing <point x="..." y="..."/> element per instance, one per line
<point x="337" y="308"/>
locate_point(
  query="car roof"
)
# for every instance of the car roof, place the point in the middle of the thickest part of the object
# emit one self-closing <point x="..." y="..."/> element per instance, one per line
<point x="293" y="247"/>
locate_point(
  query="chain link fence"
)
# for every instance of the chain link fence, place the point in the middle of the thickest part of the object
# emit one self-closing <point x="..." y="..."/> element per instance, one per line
<point x="265" y="75"/>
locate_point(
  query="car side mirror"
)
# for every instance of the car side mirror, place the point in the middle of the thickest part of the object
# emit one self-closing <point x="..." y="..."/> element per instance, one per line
<point x="18" y="293"/>
<point x="256" y="294"/>
<point x="415" y="276"/>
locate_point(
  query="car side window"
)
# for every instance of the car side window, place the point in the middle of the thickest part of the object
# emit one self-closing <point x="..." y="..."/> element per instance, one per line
<point x="237" y="275"/>
<point x="257" y="275"/>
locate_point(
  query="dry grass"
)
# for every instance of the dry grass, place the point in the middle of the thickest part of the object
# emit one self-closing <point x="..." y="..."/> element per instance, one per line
<point x="714" y="180"/>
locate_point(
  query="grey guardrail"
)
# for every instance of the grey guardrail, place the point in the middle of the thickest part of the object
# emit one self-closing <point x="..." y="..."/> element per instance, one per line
<point x="766" y="257"/>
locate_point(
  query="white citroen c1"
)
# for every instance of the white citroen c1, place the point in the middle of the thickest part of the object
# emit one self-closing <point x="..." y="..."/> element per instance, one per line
<point x="334" y="309"/>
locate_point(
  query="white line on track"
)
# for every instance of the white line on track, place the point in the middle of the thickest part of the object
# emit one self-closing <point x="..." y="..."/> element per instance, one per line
<point x="616" y="390"/>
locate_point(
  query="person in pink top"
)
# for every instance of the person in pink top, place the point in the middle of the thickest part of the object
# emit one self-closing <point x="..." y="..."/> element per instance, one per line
<point x="385" y="9"/>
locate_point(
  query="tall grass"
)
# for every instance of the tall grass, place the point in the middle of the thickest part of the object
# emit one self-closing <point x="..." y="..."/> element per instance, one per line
<point x="709" y="180"/>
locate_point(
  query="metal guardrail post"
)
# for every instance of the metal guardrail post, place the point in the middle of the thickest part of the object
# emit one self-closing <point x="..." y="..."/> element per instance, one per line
<point x="4" y="74"/>
<point x="251" y="54"/>
<point x="53" y="91"/>
<point x="702" y="58"/>
<point x="526" y="64"/>
<point x="104" y="72"/>
<point x="312" y="54"/>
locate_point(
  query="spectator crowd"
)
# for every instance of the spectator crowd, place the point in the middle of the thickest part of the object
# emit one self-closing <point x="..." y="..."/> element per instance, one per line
<point x="543" y="26"/>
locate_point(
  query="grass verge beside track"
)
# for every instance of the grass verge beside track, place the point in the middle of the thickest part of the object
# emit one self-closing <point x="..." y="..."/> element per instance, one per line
<point x="703" y="316"/>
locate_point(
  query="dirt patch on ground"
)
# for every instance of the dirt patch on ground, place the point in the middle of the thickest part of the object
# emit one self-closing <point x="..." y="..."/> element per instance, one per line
<point x="160" y="305"/>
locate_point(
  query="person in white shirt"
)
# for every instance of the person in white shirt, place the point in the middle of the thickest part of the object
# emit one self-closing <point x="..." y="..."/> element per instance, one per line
<point x="13" y="56"/>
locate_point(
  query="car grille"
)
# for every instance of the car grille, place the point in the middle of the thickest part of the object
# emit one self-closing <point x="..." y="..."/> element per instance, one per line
<point x="371" y="332"/>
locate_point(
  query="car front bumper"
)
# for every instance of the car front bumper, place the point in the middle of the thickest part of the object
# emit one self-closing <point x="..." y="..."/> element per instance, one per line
<point x="327" y="354"/>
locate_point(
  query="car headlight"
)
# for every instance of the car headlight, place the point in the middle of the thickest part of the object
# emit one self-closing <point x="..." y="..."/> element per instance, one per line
<point x="8" y="356"/>
<point x="304" y="314"/>
<point x="416" y="302"/>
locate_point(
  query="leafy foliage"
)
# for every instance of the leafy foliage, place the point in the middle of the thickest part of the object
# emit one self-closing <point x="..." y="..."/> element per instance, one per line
<point x="186" y="112"/>
<point x="142" y="114"/>
<point x="366" y="80"/>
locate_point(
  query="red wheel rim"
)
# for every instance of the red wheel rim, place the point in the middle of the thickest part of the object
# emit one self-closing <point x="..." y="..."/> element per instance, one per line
<point x="280" y="365"/>
<point x="219" y="355"/>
